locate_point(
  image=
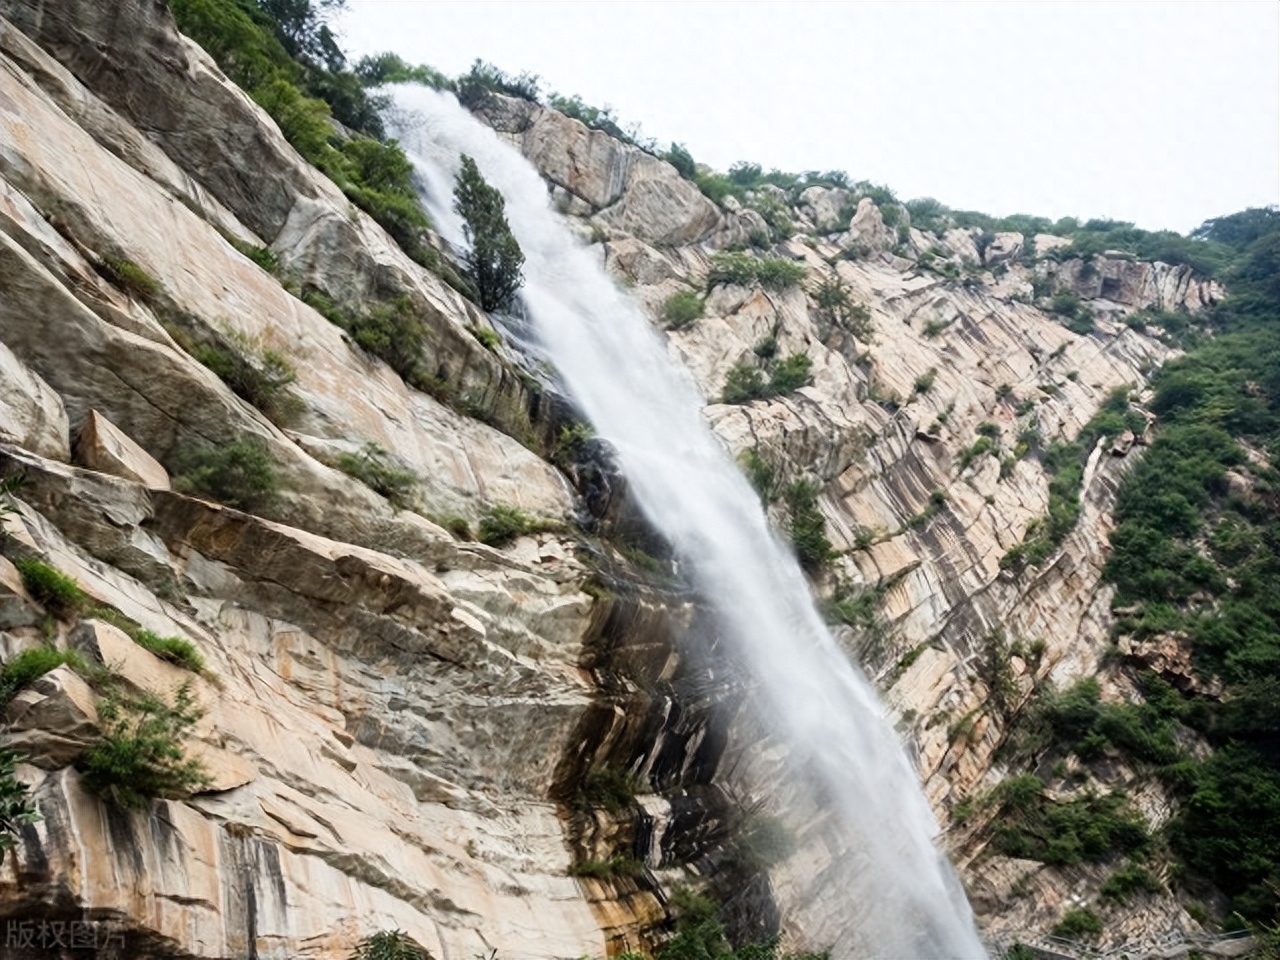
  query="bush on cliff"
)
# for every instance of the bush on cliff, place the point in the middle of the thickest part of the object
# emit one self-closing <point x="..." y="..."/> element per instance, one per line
<point x="240" y="474"/>
<point x="16" y="807"/>
<point x="141" y="756"/>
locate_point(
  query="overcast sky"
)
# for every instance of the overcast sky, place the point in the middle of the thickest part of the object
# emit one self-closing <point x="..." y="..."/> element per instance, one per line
<point x="1163" y="113"/>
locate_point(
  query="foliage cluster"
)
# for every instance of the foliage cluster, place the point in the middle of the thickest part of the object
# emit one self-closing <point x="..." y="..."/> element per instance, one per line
<point x="768" y="377"/>
<point x="743" y="269"/>
<point x="140" y="755"/>
<point x="609" y="788"/>
<point x="16" y="806"/>
<point x="389" y="945"/>
<point x="375" y="468"/>
<point x="806" y="525"/>
<point x="284" y="55"/>
<point x="833" y="300"/>
<point x="681" y="309"/>
<point x="1065" y="463"/>
<point x="241" y="474"/>
<point x="700" y="936"/>
<point x="259" y="378"/>
<point x="129" y="277"/>
<point x="51" y="588"/>
<point x="1063" y="833"/>
<point x="1198" y="555"/>
<point x="503" y="523"/>
<point x="25" y="667"/>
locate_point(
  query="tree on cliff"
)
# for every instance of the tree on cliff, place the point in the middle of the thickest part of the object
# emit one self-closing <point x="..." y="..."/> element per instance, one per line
<point x="495" y="259"/>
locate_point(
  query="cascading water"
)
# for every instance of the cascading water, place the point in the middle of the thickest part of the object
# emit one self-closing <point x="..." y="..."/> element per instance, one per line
<point x="908" y="901"/>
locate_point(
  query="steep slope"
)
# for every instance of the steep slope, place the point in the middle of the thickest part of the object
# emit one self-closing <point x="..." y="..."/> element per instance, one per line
<point x="407" y="729"/>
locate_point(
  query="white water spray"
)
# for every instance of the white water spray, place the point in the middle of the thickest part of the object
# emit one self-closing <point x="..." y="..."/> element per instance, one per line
<point x="903" y="894"/>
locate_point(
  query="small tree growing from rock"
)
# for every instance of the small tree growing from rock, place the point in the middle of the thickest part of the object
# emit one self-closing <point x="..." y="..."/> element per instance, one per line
<point x="495" y="258"/>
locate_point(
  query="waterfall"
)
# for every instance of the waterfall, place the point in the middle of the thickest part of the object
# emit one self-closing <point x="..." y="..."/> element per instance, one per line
<point x="906" y="900"/>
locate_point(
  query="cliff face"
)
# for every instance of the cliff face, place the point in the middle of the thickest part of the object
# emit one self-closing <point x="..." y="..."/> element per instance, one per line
<point x="400" y="722"/>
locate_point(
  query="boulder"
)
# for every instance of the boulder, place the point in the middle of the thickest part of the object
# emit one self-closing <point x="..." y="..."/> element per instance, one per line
<point x="104" y="447"/>
<point x="1005" y="247"/>
<point x="17" y="609"/>
<point x="52" y="721"/>
<point x="31" y="412"/>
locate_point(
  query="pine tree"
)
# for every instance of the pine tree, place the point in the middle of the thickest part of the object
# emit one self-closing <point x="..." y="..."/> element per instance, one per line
<point x="495" y="258"/>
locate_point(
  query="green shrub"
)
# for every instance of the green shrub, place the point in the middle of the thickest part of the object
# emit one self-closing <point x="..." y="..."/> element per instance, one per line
<point x="681" y="309"/>
<point x="978" y="448"/>
<point x="129" y="277"/>
<point x="393" y="332"/>
<point x="494" y="259"/>
<point x="389" y="945"/>
<point x="791" y="373"/>
<point x="744" y="383"/>
<point x="503" y="523"/>
<point x="304" y="121"/>
<point x="615" y="866"/>
<point x="1078" y="923"/>
<point x="263" y="256"/>
<point x="140" y="756"/>
<point x="743" y="270"/>
<point x="609" y="788"/>
<point x="761" y="474"/>
<point x="27" y="666"/>
<point x="240" y="474"/>
<point x="806" y="525"/>
<point x="924" y="382"/>
<point x="1129" y="881"/>
<point x="259" y="379"/>
<point x="484" y="78"/>
<point x="176" y="650"/>
<point x="489" y="338"/>
<point x="16" y="807"/>
<point x="373" y="467"/>
<point x="52" y="589"/>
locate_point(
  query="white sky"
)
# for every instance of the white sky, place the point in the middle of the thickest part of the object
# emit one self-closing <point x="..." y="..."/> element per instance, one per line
<point x="1163" y="113"/>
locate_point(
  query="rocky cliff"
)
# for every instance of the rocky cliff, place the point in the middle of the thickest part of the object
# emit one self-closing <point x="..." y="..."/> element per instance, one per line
<point x="407" y="729"/>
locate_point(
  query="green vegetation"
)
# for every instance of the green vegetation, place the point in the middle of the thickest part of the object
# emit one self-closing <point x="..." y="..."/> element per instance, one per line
<point x="746" y="381"/>
<point x="699" y="936"/>
<point x="681" y="309"/>
<point x="1065" y="463"/>
<point x="129" y="277"/>
<point x="1197" y="553"/>
<point x="761" y="474"/>
<point x="806" y="526"/>
<point x="374" y="467"/>
<point x="833" y="300"/>
<point x="609" y="788"/>
<point x="742" y="269"/>
<point x="1130" y="881"/>
<point x="616" y="866"/>
<point x="1072" y="312"/>
<point x="389" y="945"/>
<point x="924" y="382"/>
<point x="177" y="650"/>
<point x="261" y="379"/>
<point x="473" y="88"/>
<point x="283" y="54"/>
<point x="1078" y="923"/>
<point x="494" y="258"/>
<point x="51" y="588"/>
<point x="240" y="474"/>
<point x="16" y="807"/>
<point x="28" y="666"/>
<point x="503" y="523"/>
<point x="140" y="755"/>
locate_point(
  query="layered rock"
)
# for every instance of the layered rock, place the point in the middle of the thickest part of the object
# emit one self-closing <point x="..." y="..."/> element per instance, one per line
<point x="400" y="724"/>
